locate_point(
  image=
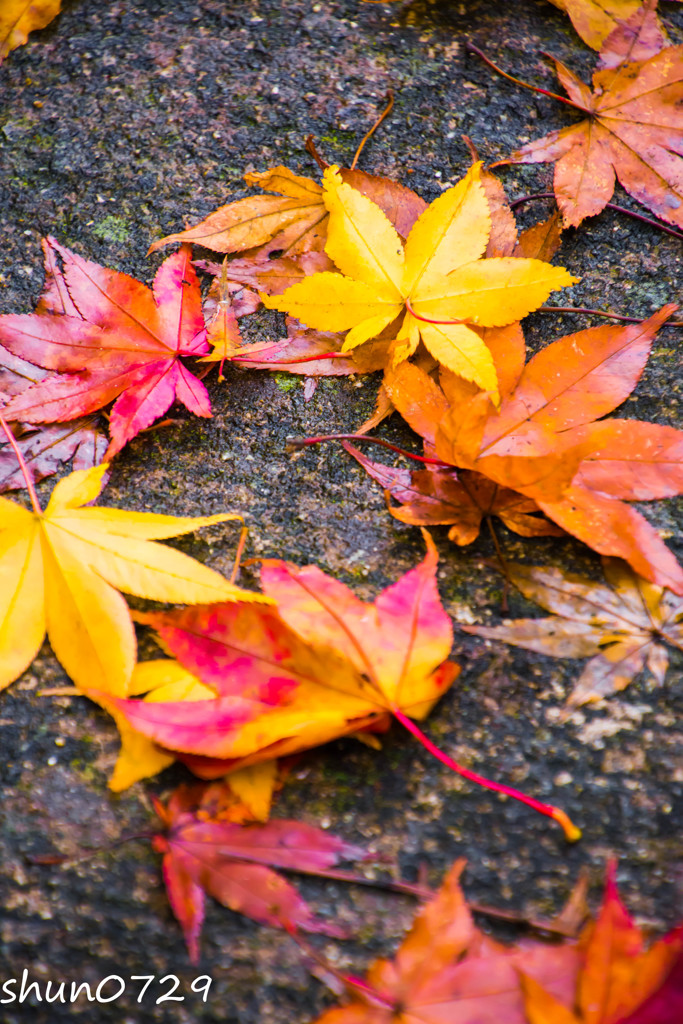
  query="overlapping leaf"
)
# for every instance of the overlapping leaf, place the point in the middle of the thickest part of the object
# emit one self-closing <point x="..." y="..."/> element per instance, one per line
<point x="325" y="664"/>
<point x="617" y="976"/>
<point x="218" y="854"/>
<point x="448" y="972"/>
<point x="439" y="496"/>
<point x="595" y="20"/>
<point x="110" y="337"/>
<point x="61" y="570"/>
<point x="44" y="448"/>
<point x="439" y="276"/>
<point x="291" y="222"/>
<point x="623" y="627"/>
<point x="632" y="131"/>
<point x="546" y="443"/>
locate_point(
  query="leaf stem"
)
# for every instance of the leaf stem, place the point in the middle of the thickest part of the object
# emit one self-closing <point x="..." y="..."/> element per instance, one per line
<point x="534" y="88"/>
<point x="421" y="892"/>
<point x="291" y="362"/>
<point x="349" y="981"/>
<point x="304" y="442"/>
<point x="25" y="472"/>
<point x="599" y="312"/>
<point x="310" y="148"/>
<point x="86" y="853"/>
<point x="244" y="533"/>
<point x="426" y="319"/>
<point x="572" y="833"/>
<point x="371" y="132"/>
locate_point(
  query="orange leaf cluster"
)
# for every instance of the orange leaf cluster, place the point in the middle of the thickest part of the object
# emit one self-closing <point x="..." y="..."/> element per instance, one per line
<point x="545" y="448"/>
<point x="449" y="972"/>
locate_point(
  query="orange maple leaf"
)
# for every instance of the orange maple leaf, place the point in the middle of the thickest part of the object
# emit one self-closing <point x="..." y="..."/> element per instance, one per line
<point x="546" y="442"/>
<point x="325" y="665"/>
<point x="448" y="972"/>
<point x="617" y="975"/>
<point x="632" y="130"/>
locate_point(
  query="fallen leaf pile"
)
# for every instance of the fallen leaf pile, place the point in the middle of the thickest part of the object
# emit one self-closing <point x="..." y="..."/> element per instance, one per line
<point x="371" y="278"/>
<point x="449" y="972"/>
<point x="440" y="276"/>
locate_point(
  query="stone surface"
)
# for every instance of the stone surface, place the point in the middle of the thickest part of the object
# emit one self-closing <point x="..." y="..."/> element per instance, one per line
<point x="122" y="122"/>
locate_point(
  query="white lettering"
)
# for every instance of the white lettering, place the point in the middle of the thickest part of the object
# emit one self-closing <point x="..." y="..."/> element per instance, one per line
<point x="75" y="992"/>
<point x="25" y="991"/>
<point x="110" y="977"/>
<point x="6" y="990"/>
<point x="59" y="995"/>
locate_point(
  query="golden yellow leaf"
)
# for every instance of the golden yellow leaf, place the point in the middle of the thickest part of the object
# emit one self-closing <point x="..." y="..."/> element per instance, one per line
<point x="19" y="17"/>
<point x="439" y="276"/>
<point x="61" y="570"/>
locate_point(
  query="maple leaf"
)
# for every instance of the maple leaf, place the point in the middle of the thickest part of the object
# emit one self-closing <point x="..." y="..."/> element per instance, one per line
<point x="617" y="974"/>
<point x="44" y="449"/>
<point x="448" y="972"/>
<point x="435" y="496"/>
<point x="61" y="569"/>
<point x="622" y="627"/>
<point x="307" y="674"/>
<point x="110" y="337"/>
<point x="595" y="20"/>
<point x="47" y="449"/>
<point x="233" y="862"/>
<point x="312" y="353"/>
<point x="20" y="17"/>
<point x="632" y="130"/>
<point x="295" y="223"/>
<point x="264" y="691"/>
<point x="438" y="276"/>
<point x="546" y="443"/>
<point x="324" y="665"/>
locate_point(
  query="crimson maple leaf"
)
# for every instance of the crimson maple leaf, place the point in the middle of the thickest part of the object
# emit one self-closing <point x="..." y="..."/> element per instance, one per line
<point x="110" y="337"/>
<point x="205" y="852"/>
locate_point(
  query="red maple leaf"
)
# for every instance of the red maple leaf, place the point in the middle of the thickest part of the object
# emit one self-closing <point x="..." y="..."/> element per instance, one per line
<point x="110" y="337"/>
<point x="217" y="854"/>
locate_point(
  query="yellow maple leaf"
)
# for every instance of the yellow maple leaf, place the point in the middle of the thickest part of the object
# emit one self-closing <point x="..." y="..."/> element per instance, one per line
<point x="60" y="571"/>
<point x="438" y="276"/>
<point x="19" y="17"/>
